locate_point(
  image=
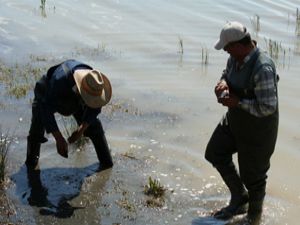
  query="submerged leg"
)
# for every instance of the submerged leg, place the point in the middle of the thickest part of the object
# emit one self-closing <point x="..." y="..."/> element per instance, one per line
<point x="239" y="196"/>
<point x="219" y="151"/>
<point x="33" y="153"/>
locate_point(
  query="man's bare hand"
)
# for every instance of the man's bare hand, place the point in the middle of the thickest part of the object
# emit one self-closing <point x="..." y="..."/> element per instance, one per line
<point x="62" y="147"/>
<point x="78" y="133"/>
<point x="220" y="88"/>
<point x="230" y="100"/>
<point x="74" y="136"/>
<point x="61" y="144"/>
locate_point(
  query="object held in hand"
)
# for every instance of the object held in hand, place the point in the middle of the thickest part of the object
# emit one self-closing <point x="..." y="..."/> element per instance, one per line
<point x="224" y="94"/>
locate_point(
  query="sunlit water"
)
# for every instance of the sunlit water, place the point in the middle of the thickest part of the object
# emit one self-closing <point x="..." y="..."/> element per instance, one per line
<point x="137" y="44"/>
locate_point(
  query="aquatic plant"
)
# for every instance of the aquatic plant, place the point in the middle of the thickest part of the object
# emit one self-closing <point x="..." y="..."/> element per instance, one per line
<point x="156" y="193"/>
<point x="120" y="106"/>
<point x="274" y="48"/>
<point x="297" y="31"/>
<point x="129" y="154"/>
<point x="69" y="126"/>
<point x="180" y="41"/>
<point x="19" y="91"/>
<point x="37" y="58"/>
<point x="43" y="3"/>
<point x="43" y="8"/>
<point x="19" y="79"/>
<point x="4" y="149"/>
<point x="277" y="52"/>
<point x="154" y="188"/>
<point x="99" y="50"/>
<point x="204" y="56"/>
<point x="255" y="21"/>
<point x="126" y="204"/>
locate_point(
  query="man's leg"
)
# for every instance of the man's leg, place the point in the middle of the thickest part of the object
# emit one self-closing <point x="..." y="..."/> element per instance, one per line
<point x="96" y="133"/>
<point x="38" y="193"/>
<point x="37" y="130"/>
<point x="35" y="138"/>
<point x="219" y="152"/>
<point x="254" y="164"/>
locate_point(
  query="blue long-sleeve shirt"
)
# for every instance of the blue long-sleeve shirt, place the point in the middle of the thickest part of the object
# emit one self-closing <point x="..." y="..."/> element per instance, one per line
<point x="62" y="98"/>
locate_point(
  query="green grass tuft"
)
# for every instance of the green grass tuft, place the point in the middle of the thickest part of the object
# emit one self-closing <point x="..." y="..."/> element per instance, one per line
<point x="154" y="188"/>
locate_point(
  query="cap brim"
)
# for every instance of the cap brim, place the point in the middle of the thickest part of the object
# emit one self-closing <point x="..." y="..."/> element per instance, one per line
<point x="219" y="45"/>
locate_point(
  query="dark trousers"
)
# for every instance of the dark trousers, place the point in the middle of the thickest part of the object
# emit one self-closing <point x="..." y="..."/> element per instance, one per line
<point x="253" y="162"/>
<point x="37" y="129"/>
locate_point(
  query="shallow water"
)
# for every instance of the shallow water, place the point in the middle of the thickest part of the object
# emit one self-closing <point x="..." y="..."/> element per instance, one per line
<point x="136" y="44"/>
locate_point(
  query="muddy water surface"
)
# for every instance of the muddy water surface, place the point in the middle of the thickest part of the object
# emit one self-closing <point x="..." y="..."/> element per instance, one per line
<point x="167" y="109"/>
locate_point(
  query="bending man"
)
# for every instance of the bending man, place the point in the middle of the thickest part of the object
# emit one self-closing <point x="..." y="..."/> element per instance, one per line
<point x="69" y="88"/>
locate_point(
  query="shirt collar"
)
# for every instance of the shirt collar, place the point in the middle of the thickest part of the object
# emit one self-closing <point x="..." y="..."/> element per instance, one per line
<point x="246" y="59"/>
<point x="249" y="56"/>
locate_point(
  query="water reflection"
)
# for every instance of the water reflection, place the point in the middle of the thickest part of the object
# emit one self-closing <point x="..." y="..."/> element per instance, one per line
<point x="52" y="189"/>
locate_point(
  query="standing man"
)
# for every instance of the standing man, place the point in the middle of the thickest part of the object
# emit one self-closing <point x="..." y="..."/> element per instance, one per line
<point x="69" y="88"/>
<point x="248" y="88"/>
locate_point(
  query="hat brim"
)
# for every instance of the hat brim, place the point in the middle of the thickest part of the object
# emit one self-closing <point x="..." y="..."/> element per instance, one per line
<point x="93" y="101"/>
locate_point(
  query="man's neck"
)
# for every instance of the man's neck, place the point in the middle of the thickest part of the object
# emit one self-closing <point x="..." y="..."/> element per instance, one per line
<point x="244" y="54"/>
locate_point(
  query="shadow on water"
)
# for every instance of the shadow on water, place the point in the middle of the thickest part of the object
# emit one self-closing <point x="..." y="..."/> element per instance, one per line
<point x="52" y="189"/>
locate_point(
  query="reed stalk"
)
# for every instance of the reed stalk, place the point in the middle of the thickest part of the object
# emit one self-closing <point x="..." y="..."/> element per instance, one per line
<point x="297" y="31"/>
<point x="43" y="8"/>
<point x="180" y="41"/>
<point x="255" y="21"/>
<point x="204" y="56"/>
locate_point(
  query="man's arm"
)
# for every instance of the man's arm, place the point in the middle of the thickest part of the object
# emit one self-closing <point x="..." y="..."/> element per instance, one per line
<point x="89" y="117"/>
<point x="265" y="91"/>
<point x="78" y="133"/>
<point x="61" y="144"/>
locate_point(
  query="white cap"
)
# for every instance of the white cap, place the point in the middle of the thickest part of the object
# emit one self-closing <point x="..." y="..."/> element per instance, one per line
<point x="231" y="32"/>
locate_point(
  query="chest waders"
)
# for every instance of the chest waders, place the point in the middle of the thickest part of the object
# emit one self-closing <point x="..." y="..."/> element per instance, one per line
<point x="253" y="138"/>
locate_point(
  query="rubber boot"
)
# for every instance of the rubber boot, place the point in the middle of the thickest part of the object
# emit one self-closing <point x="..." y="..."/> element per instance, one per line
<point x="239" y="196"/>
<point x="102" y="150"/>
<point x="33" y="154"/>
<point x="38" y="193"/>
<point x="255" y="211"/>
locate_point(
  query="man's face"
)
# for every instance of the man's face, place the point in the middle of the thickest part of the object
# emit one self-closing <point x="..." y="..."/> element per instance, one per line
<point x="234" y="49"/>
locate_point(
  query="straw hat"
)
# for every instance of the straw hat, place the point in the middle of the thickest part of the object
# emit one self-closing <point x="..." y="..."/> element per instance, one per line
<point x="93" y="86"/>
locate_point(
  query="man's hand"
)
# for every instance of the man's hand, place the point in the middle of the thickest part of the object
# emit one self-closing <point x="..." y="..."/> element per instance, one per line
<point x="61" y="144"/>
<point x="77" y="133"/>
<point x="229" y="100"/>
<point x="74" y="136"/>
<point x="220" y="88"/>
